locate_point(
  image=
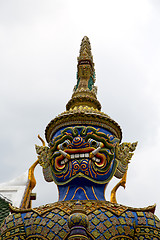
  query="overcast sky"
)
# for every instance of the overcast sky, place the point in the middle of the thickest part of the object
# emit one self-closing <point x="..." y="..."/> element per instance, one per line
<point x="39" y="45"/>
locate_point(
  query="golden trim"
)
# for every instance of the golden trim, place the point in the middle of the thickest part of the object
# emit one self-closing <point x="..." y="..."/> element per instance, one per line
<point x="36" y="236"/>
<point x="121" y="237"/>
<point x="31" y="185"/>
<point x="77" y="237"/>
<point x="94" y="193"/>
<point x="114" y="190"/>
<point x="66" y="193"/>
<point x="43" y="142"/>
<point x="83" y="191"/>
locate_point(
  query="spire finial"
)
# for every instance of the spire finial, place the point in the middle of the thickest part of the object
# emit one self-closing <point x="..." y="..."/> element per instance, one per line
<point x="85" y="67"/>
<point x="85" y="55"/>
<point x="84" y="93"/>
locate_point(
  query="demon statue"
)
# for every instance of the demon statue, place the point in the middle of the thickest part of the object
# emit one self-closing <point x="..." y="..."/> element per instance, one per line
<point x="84" y="152"/>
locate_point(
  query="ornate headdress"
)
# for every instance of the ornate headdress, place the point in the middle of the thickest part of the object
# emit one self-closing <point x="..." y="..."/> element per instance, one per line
<point x="83" y="107"/>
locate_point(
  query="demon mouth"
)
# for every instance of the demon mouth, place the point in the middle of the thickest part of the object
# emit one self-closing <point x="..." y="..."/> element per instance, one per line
<point x="78" y="156"/>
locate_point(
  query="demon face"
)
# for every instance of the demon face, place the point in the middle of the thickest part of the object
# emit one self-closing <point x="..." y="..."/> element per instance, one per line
<point x="80" y="152"/>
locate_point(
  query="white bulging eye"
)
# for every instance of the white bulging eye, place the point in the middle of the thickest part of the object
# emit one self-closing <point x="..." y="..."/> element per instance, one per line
<point x="64" y="145"/>
<point x="93" y="143"/>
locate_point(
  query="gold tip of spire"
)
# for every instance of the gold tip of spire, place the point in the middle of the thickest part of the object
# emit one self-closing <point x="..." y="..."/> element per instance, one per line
<point x="85" y="54"/>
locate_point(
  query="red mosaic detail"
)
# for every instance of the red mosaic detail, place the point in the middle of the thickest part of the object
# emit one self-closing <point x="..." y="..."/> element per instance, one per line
<point x="127" y="230"/>
<point x="114" y="221"/>
<point x="128" y="221"/>
<point x="101" y="227"/>
<point x="113" y="231"/>
<point x="130" y="214"/>
<point x="141" y="220"/>
<point x="149" y="215"/>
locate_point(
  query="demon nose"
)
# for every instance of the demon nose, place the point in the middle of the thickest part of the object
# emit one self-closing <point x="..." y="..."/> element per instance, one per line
<point x="78" y="141"/>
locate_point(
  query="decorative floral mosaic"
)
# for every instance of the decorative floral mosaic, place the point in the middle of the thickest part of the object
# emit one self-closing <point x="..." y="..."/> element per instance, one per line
<point x="106" y="221"/>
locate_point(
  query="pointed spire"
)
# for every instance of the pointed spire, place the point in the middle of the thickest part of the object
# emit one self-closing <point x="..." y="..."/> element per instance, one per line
<point x="84" y="93"/>
<point x="85" y="67"/>
<point x="85" y="55"/>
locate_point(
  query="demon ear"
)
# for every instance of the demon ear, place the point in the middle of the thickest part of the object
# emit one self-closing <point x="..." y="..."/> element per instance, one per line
<point x="123" y="155"/>
<point x="44" y="154"/>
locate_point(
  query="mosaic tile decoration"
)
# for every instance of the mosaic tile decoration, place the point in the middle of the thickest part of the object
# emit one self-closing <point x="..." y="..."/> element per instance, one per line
<point x="106" y="221"/>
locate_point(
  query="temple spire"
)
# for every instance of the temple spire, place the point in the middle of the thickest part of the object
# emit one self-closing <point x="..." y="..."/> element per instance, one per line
<point x="84" y="93"/>
<point x="85" y="67"/>
<point x="85" y="54"/>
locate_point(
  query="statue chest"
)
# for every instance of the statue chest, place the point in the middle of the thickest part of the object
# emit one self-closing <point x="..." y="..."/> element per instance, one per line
<point x="87" y="219"/>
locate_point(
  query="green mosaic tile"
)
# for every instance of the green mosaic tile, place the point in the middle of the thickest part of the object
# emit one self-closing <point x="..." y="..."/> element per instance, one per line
<point x="149" y="215"/>
<point x="107" y="235"/>
<point x="28" y="215"/>
<point x="57" y="228"/>
<point x="140" y="214"/>
<point x="150" y="222"/>
<point x="45" y="231"/>
<point x="122" y="221"/>
<point x="113" y="231"/>
<point x="50" y="235"/>
<point x="18" y="215"/>
<point x="141" y="238"/>
<point x="102" y="217"/>
<point x="123" y="215"/>
<point x="95" y="233"/>
<point x="128" y="221"/>
<point x="56" y="218"/>
<point x="10" y="224"/>
<point x="108" y="224"/>
<point x="120" y="229"/>
<point x="9" y="218"/>
<point x="88" y="204"/>
<point x="18" y="221"/>
<point x="61" y="213"/>
<point x="16" y="230"/>
<point x="44" y="222"/>
<point x="28" y="231"/>
<point x="50" y="215"/>
<point x="109" y="214"/>
<point x="34" y="215"/>
<point x="56" y="210"/>
<point x="130" y="214"/>
<point x="62" y="234"/>
<point x="158" y="224"/>
<point x="90" y="227"/>
<point x="96" y="212"/>
<point x="61" y="222"/>
<point x="101" y="227"/>
<point x="27" y="222"/>
<point x="114" y="221"/>
<point x="50" y="224"/>
<point x="95" y="221"/>
<point x="37" y="221"/>
<point x="127" y="230"/>
<point x="39" y="229"/>
<point x="131" y="232"/>
<point x="141" y="220"/>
